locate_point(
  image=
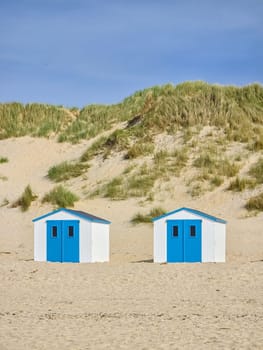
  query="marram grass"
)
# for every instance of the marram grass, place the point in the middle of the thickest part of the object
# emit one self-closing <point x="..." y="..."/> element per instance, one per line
<point x="147" y="218"/>
<point x="236" y="110"/>
<point x="60" y="197"/>
<point x="26" y="199"/>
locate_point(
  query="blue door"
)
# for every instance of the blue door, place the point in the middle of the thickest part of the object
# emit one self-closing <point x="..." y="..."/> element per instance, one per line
<point x="63" y="240"/>
<point x="175" y="241"/>
<point x="192" y="241"/>
<point x="184" y="240"/>
<point x="70" y="242"/>
<point x="54" y="240"/>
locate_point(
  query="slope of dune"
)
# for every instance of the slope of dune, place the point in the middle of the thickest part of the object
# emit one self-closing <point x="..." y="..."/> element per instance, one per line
<point x="130" y="302"/>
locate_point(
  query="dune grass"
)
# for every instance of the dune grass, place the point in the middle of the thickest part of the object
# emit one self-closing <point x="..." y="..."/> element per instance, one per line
<point x="140" y="149"/>
<point x="25" y="200"/>
<point x="147" y="218"/>
<point x="255" y="203"/>
<point x="66" y="170"/>
<point x="256" y="171"/>
<point x="214" y="164"/>
<point x="168" y="108"/>
<point x="96" y="148"/>
<point x="139" y="181"/>
<point x="216" y="181"/>
<point x="240" y="184"/>
<point x="60" y="197"/>
<point x="3" y="160"/>
<point x="114" y="189"/>
<point x="33" y="119"/>
<point x="3" y="178"/>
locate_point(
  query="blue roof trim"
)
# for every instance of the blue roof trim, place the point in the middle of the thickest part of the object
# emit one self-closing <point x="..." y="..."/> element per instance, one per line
<point x="193" y="211"/>
<point x="82" y="215"/>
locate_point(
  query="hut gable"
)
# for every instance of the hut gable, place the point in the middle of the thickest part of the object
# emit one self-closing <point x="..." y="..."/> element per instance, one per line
<point x="66" y="235"/>
<point x="189" y="235"/>
<point x="78" y="213"/>
<point x="192" y="211"/>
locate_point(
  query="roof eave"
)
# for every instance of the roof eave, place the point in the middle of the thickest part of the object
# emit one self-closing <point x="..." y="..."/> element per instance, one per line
<point x="102" y="221"/>
<point x="193" y="211"/>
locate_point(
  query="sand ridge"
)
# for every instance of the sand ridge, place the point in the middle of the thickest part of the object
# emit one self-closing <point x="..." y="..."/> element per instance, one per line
<point x="130" y="302"/>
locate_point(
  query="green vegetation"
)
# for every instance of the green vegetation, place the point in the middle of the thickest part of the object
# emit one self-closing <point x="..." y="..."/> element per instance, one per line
<point x="178" y="113"/>
<point x="116" y="141"/>
<point x="255" y="203"/>
<point x="138" y="181"/>
<point x="140" y="149"/>
<point x="256" y="171"/>
<point x="3" y="178"/>
<point x="91" y="121"/>
<point x="3" y="160"/>
<point x="168" y="164"/>
<point x="212" y="164"/>
<point x="33" y="119"/>
<point x="66" y="170"/>
<point x="257" y="143"/>
<point x="94" y="149"/>
<point x="137" y="184"/>
<point x="239" y="185"/>
<point x="114" y="189"/>
<point x="189" y="106"/>
<point x="196" y="190"/>
<point x="60" y="197"/>
<point x="216" y="181"/>
<point x="168" y="108"/>
<point x="140" y="218"/>
<point x="25" y="200"/>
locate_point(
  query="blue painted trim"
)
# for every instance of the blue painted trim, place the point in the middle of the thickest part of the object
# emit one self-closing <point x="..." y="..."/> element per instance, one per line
<point x="183" y="247"/>
<point x="45" y="215"/>
<point x="62" y="248"/>
<point x="193" y="211"/>
<point x="72" y="212"/>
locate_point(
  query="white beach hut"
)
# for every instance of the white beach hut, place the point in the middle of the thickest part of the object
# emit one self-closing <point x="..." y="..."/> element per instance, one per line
<point x="66" y="235"/>
<point x="189" y="235"/>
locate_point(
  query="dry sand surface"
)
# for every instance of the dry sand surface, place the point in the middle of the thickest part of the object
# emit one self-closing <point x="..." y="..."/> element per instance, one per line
<point x="129" y="303"/>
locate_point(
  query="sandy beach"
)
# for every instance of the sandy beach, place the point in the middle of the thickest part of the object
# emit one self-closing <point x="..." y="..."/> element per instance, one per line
<point x="130" y="302"/>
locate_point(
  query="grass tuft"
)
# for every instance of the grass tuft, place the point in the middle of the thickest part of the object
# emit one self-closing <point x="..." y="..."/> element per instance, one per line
<point x="239" y="185"/>
<point x="140" y="218"/>
<point x="66" y="171"/>
<point x="256" y="171"/>
<point x="114" y="189"/>
<point x="216" y="181"/>
<point x="3" y="160"/>
<point x="60" y="197"/>
<point x="139" y="149"/>
<point x="255" y="203"/>
<point x="168" y="108"/>
<point x="25" y="200"/>
<point x="217" y="165"/>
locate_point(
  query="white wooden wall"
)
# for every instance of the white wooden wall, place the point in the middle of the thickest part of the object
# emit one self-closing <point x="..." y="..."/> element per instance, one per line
<point x="100" y="242"/>
<point x="85" y="241"/>
<point x="40" y="241"/>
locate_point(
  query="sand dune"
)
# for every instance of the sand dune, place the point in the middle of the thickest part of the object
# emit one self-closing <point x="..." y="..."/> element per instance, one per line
<point x="129" y="303"/>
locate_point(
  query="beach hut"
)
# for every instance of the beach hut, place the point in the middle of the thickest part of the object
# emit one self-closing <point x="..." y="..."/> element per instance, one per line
<point x="66" y="235"/>
<point x="189" y="235"/>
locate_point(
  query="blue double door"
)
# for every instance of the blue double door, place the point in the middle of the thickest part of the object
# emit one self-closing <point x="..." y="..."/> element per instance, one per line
<point x="184" y="240"/>
<point x="63" y="240"/>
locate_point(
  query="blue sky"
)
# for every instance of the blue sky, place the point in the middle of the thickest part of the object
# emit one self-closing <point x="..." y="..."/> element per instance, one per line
<point x="78" y="52"/>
